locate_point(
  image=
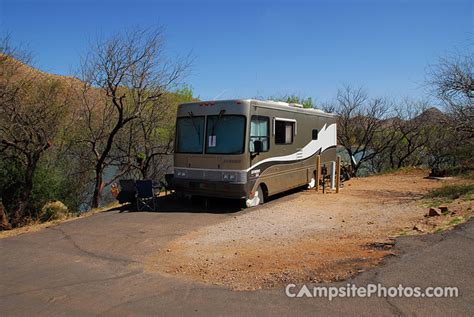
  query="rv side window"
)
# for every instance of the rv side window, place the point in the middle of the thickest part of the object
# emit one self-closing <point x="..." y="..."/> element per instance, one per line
<point x="259" y="130"/>
<point x="284" y="131"/>
<point x="315" y="134"/>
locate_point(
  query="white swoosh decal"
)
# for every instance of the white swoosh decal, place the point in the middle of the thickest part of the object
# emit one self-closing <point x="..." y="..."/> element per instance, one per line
<point x="327" y="137"/>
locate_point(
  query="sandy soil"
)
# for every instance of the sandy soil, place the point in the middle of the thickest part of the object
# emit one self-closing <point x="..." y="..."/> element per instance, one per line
<point x="306" y="236"/>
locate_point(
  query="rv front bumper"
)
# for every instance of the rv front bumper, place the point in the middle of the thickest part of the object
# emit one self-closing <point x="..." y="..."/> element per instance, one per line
<point x="210" y="188"/>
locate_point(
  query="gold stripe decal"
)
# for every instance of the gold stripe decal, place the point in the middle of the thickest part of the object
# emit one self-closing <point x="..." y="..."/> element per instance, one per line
<point x="327" y="138"/>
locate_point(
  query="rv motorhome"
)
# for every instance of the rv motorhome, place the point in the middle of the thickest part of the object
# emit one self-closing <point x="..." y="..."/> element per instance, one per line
<point x="249" y="149"/>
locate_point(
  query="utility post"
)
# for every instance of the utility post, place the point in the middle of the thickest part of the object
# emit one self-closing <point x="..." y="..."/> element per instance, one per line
<point x="318" y="171"/>
<point x="338" y="173"/>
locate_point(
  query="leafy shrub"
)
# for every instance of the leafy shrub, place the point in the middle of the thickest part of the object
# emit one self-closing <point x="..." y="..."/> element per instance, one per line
<point x="53" y="210"/>
<point x="53" y="183"/>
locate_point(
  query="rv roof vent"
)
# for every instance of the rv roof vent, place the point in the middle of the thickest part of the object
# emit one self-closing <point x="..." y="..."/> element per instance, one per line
<point x="297" y="105"/>
<point x="281" y="103"/>
<point x="319" y="110"/>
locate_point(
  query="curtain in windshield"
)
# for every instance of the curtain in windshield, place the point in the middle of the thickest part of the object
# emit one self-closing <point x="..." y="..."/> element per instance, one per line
<point x="259" y="130"/>
<point x="190" y="132"/>
<point x="225" y="134"/>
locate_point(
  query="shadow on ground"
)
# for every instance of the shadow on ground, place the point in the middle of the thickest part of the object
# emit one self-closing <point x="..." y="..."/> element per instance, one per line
<point x="173" y="203"/>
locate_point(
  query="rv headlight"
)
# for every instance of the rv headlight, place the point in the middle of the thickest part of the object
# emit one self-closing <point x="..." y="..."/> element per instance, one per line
<point x="228" y="177"/>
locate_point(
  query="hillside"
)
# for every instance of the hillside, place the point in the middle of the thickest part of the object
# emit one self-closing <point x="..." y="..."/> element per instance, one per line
<point x="17" y="70"/>
<point x="13" y="70"/>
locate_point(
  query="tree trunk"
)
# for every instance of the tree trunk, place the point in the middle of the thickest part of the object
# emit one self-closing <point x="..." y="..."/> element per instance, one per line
<point x="19" y="213"/>
<point x="97" y="187"/>
<point x="143" y="172"/>
<point x="4" y="223"/>
<point x="145" y="167"/>
<point x="349" y="152"/>
<point x="392" y="159"/>
<point x="355" y="165"/>
<point x="355" y="169"/>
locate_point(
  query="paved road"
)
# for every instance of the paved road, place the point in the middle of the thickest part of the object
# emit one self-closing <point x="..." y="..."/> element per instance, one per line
<point x="95" y="266"/>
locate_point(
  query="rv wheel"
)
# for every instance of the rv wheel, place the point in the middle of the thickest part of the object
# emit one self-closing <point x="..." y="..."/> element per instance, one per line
<point x="258" y="198"/>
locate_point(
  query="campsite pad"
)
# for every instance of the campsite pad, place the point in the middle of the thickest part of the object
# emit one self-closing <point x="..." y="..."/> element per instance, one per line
<point x="303" y="237"/>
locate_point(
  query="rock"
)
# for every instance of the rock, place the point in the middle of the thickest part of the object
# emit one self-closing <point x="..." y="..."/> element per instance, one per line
<point x="443" y="209"/>
<point x="418" y="228"/>
<point x="433" y="212"/>
<point x="53" y="210"/>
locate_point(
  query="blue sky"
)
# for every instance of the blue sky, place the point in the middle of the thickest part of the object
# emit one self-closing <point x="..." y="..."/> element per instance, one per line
<point x="246" y="49"/>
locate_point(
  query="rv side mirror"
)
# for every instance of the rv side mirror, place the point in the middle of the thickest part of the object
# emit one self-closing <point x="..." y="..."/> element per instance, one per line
<point x="257" y="146"/>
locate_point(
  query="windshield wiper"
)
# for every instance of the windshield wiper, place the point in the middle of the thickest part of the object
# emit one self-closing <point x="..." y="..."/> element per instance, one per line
<point x="198" y="133"/>
<point x="221" y="113"/>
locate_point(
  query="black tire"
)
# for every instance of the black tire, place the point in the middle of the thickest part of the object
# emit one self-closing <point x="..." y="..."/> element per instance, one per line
<point x="261" y="195"/>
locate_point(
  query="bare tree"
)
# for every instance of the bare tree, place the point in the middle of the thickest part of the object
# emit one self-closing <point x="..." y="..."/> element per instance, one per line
<point x="445" y="146"/>
<point x="453" y="82"/>
<point x="360" y="124"/>
<point x="31" y="109"/>
<point x="122" y="76"/>
<point x="146" y="141"/>
<point x="411" y="132"/>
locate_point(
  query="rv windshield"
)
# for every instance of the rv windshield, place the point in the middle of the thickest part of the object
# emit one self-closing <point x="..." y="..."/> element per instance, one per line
<point x="190" y="131"/>
<point x="225" y="134"/>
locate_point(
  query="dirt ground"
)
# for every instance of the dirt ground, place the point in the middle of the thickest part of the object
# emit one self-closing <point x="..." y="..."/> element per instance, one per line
<point x="308" y="236"/>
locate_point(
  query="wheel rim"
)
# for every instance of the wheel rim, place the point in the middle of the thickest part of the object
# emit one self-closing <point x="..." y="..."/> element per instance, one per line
<point x="257" y="199"/>
<point x="311" y="183"/>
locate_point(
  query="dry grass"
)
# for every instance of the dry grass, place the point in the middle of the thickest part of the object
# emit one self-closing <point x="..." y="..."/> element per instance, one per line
<point x="37" y="226"/>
